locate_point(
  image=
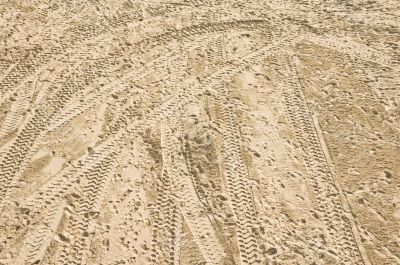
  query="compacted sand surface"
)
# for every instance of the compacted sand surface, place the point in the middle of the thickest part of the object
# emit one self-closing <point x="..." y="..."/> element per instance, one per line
<point x="199" y="132"/>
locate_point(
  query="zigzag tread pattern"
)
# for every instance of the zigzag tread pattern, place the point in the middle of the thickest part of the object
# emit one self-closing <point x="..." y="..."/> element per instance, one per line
<point x="190" y="206"/>
<point x="85" y="209"/>
<point x="237" y="171"/>
<point x="237" y="181"/>
<point x="320" y="176"/>
<point x="39" y="239"/>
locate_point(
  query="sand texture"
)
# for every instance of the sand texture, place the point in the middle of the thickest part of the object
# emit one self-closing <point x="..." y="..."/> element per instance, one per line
<point x="199" y="132"/>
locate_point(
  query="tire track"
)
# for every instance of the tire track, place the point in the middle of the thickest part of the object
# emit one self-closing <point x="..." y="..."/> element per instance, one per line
<point x="135" y="42"/>
<point x="83" y="32"/>
<point x="23" y="101"/>
<point x="188" y="31"/>
<point x="39" y="239"/>
<point x="98" y="96"/>
<point x="88" y="98"/>
<point x="340" y="236"/>
<point x="15" y="160"/>
<point x="44" y="115"/>
<point x="5" y="67"/>
<point x="351" y="48"/>
<point x="58" y="186"/>
<point x="239" y="191"/>
<point x="188" y="202"/>
<point x="167" y="224"/>
<point x="40" y="116"/>
<point x="191" y="169"/>
<point x="37" y="56"/>
<point x="17" y="111"/>
<point x="35" y="128"/>
<point x="62" y="184"/>
<point x="86" y="207"/>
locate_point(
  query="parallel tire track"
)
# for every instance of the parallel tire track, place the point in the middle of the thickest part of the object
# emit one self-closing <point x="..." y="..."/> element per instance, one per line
<point x="38" y="240"/>
<point x="167" y="224"/>
<point x="321" y="179"/>
<point x="86" y="208"/>
<point x="38" y="123"/>
<point x="189" y="204"/>
<point x="61" y="184"/>
<point x="238" y="185"/>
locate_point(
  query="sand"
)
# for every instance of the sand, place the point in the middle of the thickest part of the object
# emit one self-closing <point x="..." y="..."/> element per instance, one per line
<point x="199" y="132"/>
